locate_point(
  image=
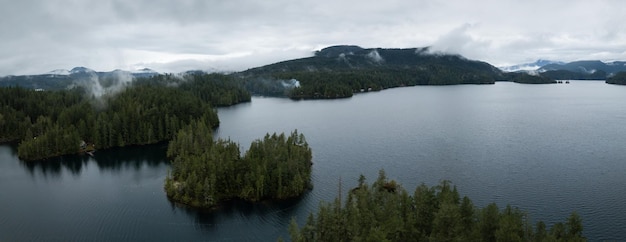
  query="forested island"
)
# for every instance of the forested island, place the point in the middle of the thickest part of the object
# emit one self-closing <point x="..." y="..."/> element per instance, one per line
<point x="207" y="172"/>
<point x="384" y="211"/>
<point x="619" y="79"/>
<point x="100" y="115"/>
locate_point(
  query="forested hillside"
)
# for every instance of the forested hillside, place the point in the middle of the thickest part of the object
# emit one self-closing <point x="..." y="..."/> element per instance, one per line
<point x="385" y="211"/>
<point x="340" y="71"/>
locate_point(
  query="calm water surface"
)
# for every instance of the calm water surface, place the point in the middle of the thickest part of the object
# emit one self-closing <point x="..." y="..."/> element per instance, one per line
<point x="547" y="149"/>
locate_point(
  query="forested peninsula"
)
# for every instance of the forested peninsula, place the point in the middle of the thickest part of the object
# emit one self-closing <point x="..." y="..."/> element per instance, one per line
<point x="100" y="114"/>
<point x="207" y="172"/>
<point x="384" y="211"/>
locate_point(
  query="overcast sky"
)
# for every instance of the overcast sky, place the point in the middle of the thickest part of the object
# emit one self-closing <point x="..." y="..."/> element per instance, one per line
<point x="37" y="36"/>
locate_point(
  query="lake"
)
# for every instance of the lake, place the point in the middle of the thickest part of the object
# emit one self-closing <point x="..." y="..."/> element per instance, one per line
<point x="547" y="149"/>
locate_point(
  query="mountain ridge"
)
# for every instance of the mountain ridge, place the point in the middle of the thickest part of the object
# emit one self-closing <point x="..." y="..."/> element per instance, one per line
<point x="332" y="72"/>
<point x="533" y="66"/>
<point x="63" y="78"/>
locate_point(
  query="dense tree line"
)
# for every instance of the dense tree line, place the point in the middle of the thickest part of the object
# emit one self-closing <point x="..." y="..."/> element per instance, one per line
<point x="263" y="86"/>
<point x="23" y="109"/>
<point x="53" y="123"/>
<point x="619" y="78"/>
<point x="206" y="172"/>
<point x="344" y="83"/>
<point x="340" y="71"/>
<point x="384" y="211"/>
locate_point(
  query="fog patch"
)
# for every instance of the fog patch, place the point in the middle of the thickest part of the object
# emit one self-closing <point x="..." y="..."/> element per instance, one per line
<point x="289" y="84"/>
<point x="101" y="85"/>
<point x="375" y="56"/>
<point x="120" y="81"/>
<point x="92" y="85"/>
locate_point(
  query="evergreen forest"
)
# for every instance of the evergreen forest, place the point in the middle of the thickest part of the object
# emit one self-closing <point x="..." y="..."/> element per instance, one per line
<point x="206" y="172"/>
<point x="384" y="211"/>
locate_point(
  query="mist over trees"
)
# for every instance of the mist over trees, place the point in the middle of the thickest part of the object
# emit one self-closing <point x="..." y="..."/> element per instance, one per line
<point x="385" y="211"/>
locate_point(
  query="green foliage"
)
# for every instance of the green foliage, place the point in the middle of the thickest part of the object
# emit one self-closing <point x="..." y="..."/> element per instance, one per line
<point x="55" y="141"/>
<point x="206" y="172"/>
<point x="385" y="212"/>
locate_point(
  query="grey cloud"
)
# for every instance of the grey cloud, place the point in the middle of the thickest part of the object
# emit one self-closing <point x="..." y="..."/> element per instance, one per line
<point x="39" y="36"/>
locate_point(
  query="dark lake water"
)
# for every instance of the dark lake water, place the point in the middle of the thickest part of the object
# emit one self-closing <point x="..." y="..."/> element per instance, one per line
<point x="547" y="149"/>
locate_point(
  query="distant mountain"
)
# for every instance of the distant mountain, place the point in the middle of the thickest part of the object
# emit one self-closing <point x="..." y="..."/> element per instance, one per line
<point x="349" y="57"/>
<point x="61" y="78"/>
<point x="333" y="72"/>
<point x="583" y="70"/>
<point x="529" y="66"/>
<point x="340" y="71"/>
<point x="145" y="72"/>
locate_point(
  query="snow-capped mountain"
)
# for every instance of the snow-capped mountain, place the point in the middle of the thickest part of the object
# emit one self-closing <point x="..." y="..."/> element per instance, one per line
<point x="81" y="69"/>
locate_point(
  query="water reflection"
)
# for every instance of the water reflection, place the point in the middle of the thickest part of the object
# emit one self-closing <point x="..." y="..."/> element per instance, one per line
<point x="115" y="159"/>
<point x="269" y="211"/>
<point x="135" y="156"/>
<point x="53" y="167"/>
